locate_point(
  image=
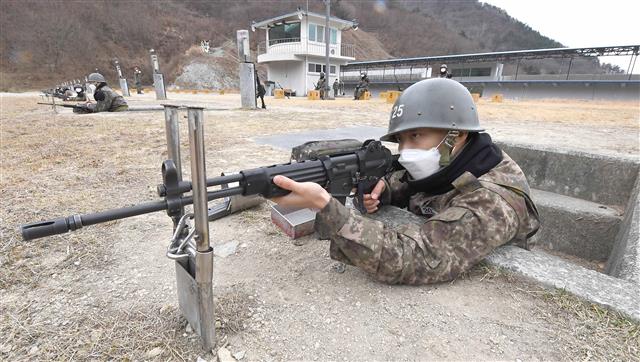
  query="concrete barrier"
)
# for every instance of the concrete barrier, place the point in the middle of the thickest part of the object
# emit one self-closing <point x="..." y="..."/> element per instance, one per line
<point x="575" y="227"/>
<point x="602" y="179"/>
<point x="624" y="261"/>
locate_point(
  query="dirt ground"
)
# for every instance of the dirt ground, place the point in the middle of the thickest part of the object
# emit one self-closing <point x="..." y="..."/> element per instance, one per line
<point x="108" y="291"/>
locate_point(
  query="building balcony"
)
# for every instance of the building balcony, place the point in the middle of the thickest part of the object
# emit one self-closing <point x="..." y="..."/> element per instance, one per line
<point x="288" y="49"/>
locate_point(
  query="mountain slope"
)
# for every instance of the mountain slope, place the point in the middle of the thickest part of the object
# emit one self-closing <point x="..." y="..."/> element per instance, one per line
<point x="45" y="42"/>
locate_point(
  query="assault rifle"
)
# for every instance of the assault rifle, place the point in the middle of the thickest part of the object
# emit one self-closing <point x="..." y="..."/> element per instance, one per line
<point x="338" y="173"/>
<point x="77" y="108"/>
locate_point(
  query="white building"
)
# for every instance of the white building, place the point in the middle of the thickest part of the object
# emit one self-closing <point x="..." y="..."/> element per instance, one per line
<point x="295" y="49"/>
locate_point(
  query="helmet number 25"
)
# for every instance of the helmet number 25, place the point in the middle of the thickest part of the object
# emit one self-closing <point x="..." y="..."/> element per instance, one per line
<point x="396" y="111"/>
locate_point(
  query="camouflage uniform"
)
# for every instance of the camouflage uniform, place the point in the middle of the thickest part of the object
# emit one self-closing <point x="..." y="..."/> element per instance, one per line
<point x="112" y="102"/>
<point x="137" y="74"/>
<point x="321" y="86"/>
<point x="461" y="227"/>
<point x="363" y="86"/>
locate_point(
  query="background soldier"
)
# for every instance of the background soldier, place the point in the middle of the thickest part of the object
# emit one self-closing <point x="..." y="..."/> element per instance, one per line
<point x="322" y="85"/>
<point x="444" y="72"/>
<point x="363" y="86"/>
<point x="473" y="196"/>
<point x="137" y="74"/>
<point x="260" y="90"/>
<point x="107" y="100"/>
<point x="336" y="87"/>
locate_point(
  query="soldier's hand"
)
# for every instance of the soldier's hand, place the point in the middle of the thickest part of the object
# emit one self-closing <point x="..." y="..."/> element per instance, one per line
<point x="371" y="201"/>
<point x="303" y="194"/>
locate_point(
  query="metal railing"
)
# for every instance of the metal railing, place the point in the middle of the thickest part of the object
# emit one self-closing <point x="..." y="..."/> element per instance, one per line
<point x="416" y="74"/>
<point x="284" y="40"/>
<point x="296" y="46"/>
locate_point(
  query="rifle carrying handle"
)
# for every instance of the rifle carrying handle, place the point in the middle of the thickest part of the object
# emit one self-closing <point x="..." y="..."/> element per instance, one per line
<point x="50" y="227"/>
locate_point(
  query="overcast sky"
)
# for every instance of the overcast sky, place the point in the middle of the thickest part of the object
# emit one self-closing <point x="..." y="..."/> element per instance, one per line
<point x="581" y="23"/>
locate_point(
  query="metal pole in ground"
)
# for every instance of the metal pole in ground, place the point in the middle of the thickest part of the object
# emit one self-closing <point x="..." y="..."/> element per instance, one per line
<point x="204" y="252"/>
<point x="327" y="41"/>
<point x="124" y="87"/>
<point x="172" y="131"/>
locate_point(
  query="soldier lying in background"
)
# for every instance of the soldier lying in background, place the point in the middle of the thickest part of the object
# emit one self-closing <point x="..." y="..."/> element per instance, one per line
<point x="75" y="92"/>
<point x="107" y="100"/>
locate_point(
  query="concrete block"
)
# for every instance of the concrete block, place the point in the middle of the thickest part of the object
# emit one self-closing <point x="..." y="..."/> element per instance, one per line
<point x="624" y="261"/>
<point x="550" y="271"/>
<point x="602" y="179"/>
<point x="577" y="227"/>
<point x="158" y="85"/>
<point x="124" y="87"/>
<point x="247" y="85"/>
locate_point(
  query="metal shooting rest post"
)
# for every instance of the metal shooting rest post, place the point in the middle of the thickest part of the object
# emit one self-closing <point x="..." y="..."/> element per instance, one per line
<point x="158" y="78"/>
<point x="123" y="81"/>
<point x="191" y="249"/>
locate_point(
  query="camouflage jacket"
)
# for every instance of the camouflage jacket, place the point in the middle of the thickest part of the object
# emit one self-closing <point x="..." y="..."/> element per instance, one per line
<point x="137" y="76"/>
<point x="112" y="102"/>
<point x="322" y="82"/>
<point x="460" y="228"/>
<point x="363" y="84"/>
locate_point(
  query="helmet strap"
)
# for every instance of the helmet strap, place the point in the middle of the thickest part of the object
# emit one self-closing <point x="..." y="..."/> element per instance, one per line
<point x="446" y="147"/>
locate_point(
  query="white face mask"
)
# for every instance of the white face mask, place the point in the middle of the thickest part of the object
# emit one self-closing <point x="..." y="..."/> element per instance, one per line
<point x="421" y="163"/>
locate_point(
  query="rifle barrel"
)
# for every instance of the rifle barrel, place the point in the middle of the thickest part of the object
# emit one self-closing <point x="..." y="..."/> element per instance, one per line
<point x="74" y="222"/>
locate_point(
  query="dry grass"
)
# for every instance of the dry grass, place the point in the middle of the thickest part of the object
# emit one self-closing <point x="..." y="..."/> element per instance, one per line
<point x="105" y="332"/>
<point x="588" y="331"/>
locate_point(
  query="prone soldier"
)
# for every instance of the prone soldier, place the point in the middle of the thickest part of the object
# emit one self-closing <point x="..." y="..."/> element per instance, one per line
<point x="107" y="100"/>
<point x="471" y="195"/>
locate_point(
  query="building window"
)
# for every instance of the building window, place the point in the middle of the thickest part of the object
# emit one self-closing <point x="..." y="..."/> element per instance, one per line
<point x="480" y="72"/>
<point x="284" y="33"/>
<point x="316" y="33"/>
<point x="317" y="68"/>
<point x="312" y="32"/>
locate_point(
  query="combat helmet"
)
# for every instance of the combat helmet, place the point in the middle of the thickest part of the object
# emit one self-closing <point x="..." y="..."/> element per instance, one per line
<point x="439" y="103"/>
<point x="96" y="77"/>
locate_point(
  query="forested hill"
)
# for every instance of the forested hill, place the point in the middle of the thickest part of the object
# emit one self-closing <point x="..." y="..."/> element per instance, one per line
<point x="49" y="41"/>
